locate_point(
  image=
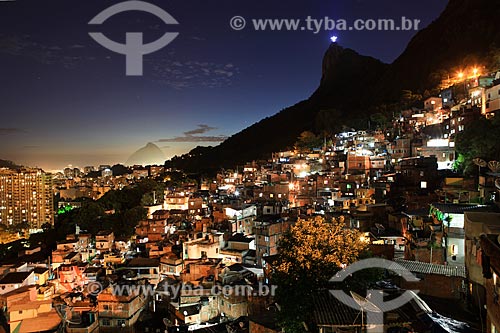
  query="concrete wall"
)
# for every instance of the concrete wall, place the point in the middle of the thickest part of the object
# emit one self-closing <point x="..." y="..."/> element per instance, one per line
<point x="441" y="286"/>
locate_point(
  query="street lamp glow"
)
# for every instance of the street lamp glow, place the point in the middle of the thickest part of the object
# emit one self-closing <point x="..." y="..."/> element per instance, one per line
<point x="334" y="39"/>
<point x="460" y="75"/>
<point x="475" y="71"/>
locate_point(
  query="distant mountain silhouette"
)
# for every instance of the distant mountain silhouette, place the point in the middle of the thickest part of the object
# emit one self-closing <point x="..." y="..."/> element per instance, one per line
<point x="148" y="155"/>
<point x="353" y="87"/>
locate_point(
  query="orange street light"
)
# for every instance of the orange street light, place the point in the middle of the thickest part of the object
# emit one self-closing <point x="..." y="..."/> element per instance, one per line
<point x="475" y="71"/>
<point x="460" y="75"/>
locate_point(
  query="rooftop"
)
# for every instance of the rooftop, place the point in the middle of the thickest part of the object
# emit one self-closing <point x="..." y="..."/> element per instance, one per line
<point x="190" y="310"/>
<point x="40" y="270"/>
<point x="67" y="241"/>
<point x="455" y="208"/>
<point x="251" y="253"/>
<point x="428" y="268"/>
<point x="236" y="268"/>
<point x="92" y="270"/>
<point x="240" y="238"/>
<point x="329" y="311"/>
<point x="48" y="321"/>
<point x="160" y="212"/>
<point x="15" y="277"/>
<point x="28" y="305"/>
<point x="18" y="291"/>
<point x="71" y="255"/>
<point x="104" y="233"/>
<point x="143" y="262"/>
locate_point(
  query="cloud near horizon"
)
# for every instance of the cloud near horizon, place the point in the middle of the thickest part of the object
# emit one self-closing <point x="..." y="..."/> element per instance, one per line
<point x="200" y="130"/>
<point x="8" y="131"/>
<point x="190" y="136"/>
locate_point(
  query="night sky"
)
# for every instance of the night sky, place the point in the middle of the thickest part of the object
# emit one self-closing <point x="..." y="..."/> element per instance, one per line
<point x="65" y="99"/>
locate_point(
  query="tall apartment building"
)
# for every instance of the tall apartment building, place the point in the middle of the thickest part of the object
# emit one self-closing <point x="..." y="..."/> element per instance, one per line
<point x="26" y="196"/>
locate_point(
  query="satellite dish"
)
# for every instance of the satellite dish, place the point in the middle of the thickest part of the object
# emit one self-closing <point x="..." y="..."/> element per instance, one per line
<point x="66" y="315"/>
<point x="480" y="162"/>
<point x="494" y="166"/>
<point x="365" y="304"/>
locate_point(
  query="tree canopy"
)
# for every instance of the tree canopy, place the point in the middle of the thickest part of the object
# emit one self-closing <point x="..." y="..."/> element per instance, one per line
<point x="478" y="140"/>
<point x="125" y="210"/>
<point x="310" y="253"/>
<point x="307" y="141"/>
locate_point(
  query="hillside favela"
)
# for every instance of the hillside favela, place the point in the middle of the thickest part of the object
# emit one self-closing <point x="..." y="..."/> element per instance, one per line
<point x="372" y="205"/>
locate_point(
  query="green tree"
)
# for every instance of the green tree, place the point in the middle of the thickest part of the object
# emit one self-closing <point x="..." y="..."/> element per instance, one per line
<point x="132" y="217"/>
<point x="479" y="140"/>
<point x="153" y="192"/>
<point x="493" y="57"/>
<point x="379" y="119"/>
<point x="408" y="98"/>
<point x="148" y="199"/>
<point x="307" y="141"/>
<point x="120" y="170"/>
<point x="310" y="253"/>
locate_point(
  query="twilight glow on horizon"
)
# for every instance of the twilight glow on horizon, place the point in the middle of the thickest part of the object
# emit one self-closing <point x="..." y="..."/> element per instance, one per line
<point x="65" y="99"/>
